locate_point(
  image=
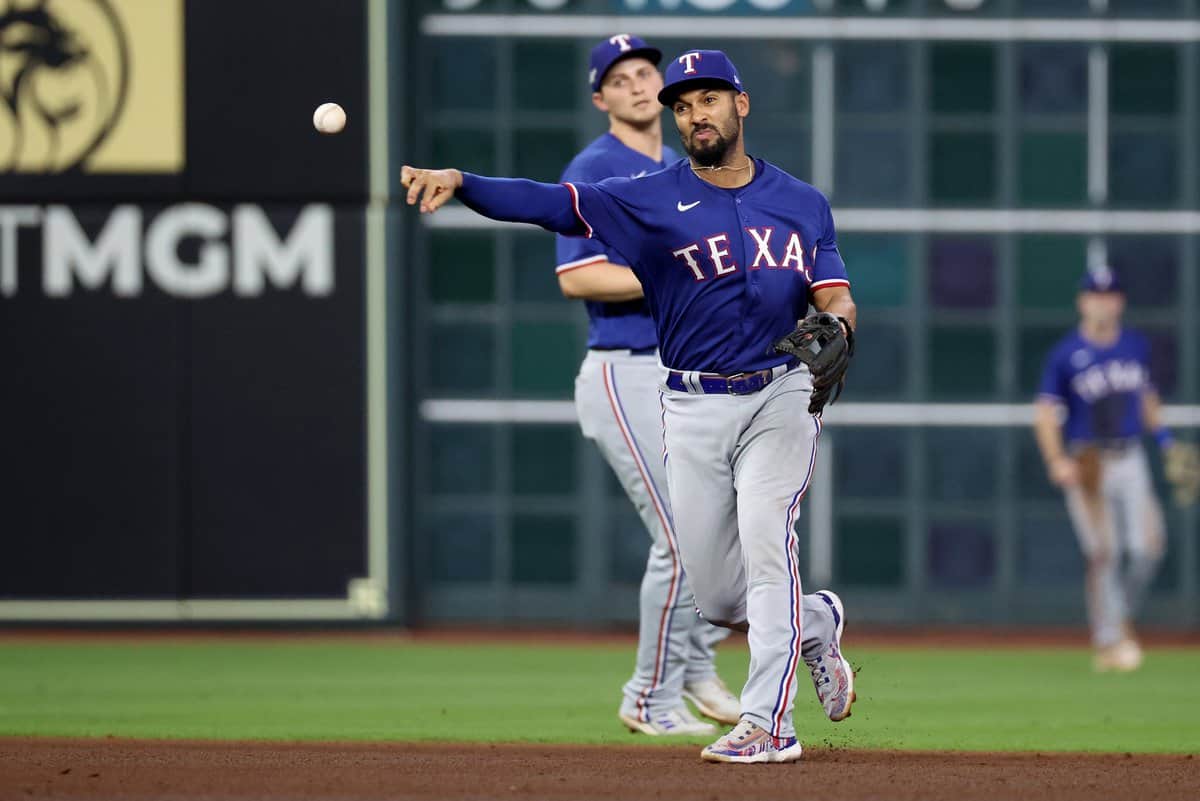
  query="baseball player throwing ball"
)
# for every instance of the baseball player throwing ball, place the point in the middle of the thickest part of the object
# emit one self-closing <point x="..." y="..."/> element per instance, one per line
<point x="616" y="396"/>
<point x="730" y="251"/>
<point x="1099" y="375"/>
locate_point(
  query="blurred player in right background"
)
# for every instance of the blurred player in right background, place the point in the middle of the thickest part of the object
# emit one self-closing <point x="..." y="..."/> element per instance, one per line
<point x="1095" y="403"/>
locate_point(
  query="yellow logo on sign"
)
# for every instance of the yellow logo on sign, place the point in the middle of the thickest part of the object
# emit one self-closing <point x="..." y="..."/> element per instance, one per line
<point x="91" y="85"/>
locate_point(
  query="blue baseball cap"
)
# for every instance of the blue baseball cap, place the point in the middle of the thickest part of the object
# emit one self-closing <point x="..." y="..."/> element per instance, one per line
<point x="698" y="68"/>
<point x="614" y="49"/>
<point x="1100" y="279"/>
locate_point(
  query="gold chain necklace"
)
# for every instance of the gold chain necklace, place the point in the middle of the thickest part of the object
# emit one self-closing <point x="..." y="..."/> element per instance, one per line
<point x="747" y="165"/>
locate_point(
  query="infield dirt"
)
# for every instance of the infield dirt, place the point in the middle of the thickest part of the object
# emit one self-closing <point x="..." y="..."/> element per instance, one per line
<point x="122" y="770"/>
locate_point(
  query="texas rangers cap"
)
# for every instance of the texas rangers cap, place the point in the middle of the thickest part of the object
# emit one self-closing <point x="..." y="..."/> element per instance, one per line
<point x="1100" y="279"/>
<point x="698" y="68"/>
<point x="614" y="49"/>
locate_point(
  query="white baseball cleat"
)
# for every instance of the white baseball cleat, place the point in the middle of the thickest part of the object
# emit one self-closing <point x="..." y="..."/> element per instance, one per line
<point x="749" y="743"/>
<point x="832" y="676"/>
<point x="1123" y="657"/>
<point x="669" y="722"/>
<point x="714" y="700"/>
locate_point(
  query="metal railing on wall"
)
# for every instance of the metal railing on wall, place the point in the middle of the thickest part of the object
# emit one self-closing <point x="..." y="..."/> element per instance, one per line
<point x="821" y="499"/>
<point x="817" y="28"/>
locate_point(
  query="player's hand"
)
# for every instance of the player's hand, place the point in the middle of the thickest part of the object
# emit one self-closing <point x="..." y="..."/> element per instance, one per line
<point x="1064" y="472"/>
<point x="824" y="342"/>
<point x="1181" y="462"/>
<point x="432" y="188"/>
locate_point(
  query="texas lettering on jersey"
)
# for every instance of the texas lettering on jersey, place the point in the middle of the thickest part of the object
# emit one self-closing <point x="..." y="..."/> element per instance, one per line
<point x="717" y="250"/>
<point x="1111" y="377"/>
<point x="1100" y="386"/>
<point x="726" y="272"/>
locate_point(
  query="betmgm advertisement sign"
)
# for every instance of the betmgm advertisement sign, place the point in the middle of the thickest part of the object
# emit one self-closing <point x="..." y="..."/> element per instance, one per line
<point x="94" y="93"/>
<point x="238" y="250"/>
<point x="182" y="408"/>
<point x="91" y="87"/>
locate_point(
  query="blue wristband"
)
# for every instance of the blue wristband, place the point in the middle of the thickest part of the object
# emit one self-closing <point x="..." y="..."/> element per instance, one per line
<point x="1163" y="437"/>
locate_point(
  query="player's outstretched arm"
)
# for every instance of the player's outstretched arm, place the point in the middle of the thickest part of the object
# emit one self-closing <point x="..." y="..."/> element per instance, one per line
<point x="509" y="199"/>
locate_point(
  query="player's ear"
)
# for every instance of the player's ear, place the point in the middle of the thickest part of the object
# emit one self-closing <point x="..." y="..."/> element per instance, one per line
<point x="598" y="102"/>
<point x="742" y="104"/>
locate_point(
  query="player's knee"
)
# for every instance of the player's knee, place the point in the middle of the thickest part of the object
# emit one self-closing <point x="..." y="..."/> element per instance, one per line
<point x="725" y="624"/>
<point x="1154" y="544"/>
<point x="727" y="613"/>
<point x="660" y="554"/>
<point x="1147" y="557"/>
<point x="1100" y="560"/>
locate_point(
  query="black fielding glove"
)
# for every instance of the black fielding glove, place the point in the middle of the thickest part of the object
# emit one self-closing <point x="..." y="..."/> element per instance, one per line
<point x="820" y="341"/>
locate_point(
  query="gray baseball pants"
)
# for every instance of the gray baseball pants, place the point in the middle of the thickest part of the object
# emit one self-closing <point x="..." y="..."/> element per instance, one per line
<point x="738" y="467"/>
<point x="1125" y="517"/>
<point x="616" y="398"/>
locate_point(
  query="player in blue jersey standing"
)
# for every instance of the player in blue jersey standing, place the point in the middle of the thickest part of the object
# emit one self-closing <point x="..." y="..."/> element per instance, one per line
<point x="1095" y="402"/>
<point x="616" y="397"/>
<point x="730" y="252"/>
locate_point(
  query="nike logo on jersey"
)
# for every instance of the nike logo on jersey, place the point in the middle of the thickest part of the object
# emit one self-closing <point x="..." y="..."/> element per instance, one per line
<point x="679" y="205"/>
<point x="641" y="174"/>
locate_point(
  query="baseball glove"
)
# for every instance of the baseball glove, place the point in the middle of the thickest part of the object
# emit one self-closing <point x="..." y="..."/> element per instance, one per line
<point x="1181" y="462"/>
<point x="821" y="342"/>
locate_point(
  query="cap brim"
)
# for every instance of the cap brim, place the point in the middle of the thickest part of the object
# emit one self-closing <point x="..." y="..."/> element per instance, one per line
<point x="668" y="93"/>
<point x="651" y="54"/>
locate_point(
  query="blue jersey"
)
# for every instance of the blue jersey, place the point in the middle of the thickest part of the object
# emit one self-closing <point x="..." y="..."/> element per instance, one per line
<point x="611" y="325"/>
<point x="1101" y="386"/>
<point x="726" y="272"/>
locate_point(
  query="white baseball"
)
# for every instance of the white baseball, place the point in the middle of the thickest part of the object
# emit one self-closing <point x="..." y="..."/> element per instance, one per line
<point x="329" y="118"/>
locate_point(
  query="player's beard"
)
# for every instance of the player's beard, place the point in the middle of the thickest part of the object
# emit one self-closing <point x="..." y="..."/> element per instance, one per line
<point x="711" y="153"/>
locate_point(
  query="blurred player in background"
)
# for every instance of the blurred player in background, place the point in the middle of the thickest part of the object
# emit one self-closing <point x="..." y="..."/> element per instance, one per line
<point x="616" y="396"/>
<point x="1095" y="403"/>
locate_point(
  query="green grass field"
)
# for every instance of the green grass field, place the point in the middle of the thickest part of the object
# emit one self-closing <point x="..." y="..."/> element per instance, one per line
<point x="1045" y="700"/>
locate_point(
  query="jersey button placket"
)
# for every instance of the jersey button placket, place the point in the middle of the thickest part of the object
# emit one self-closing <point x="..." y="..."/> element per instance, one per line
<point x="751" y="275"/>
<point x="753" y="289"/>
